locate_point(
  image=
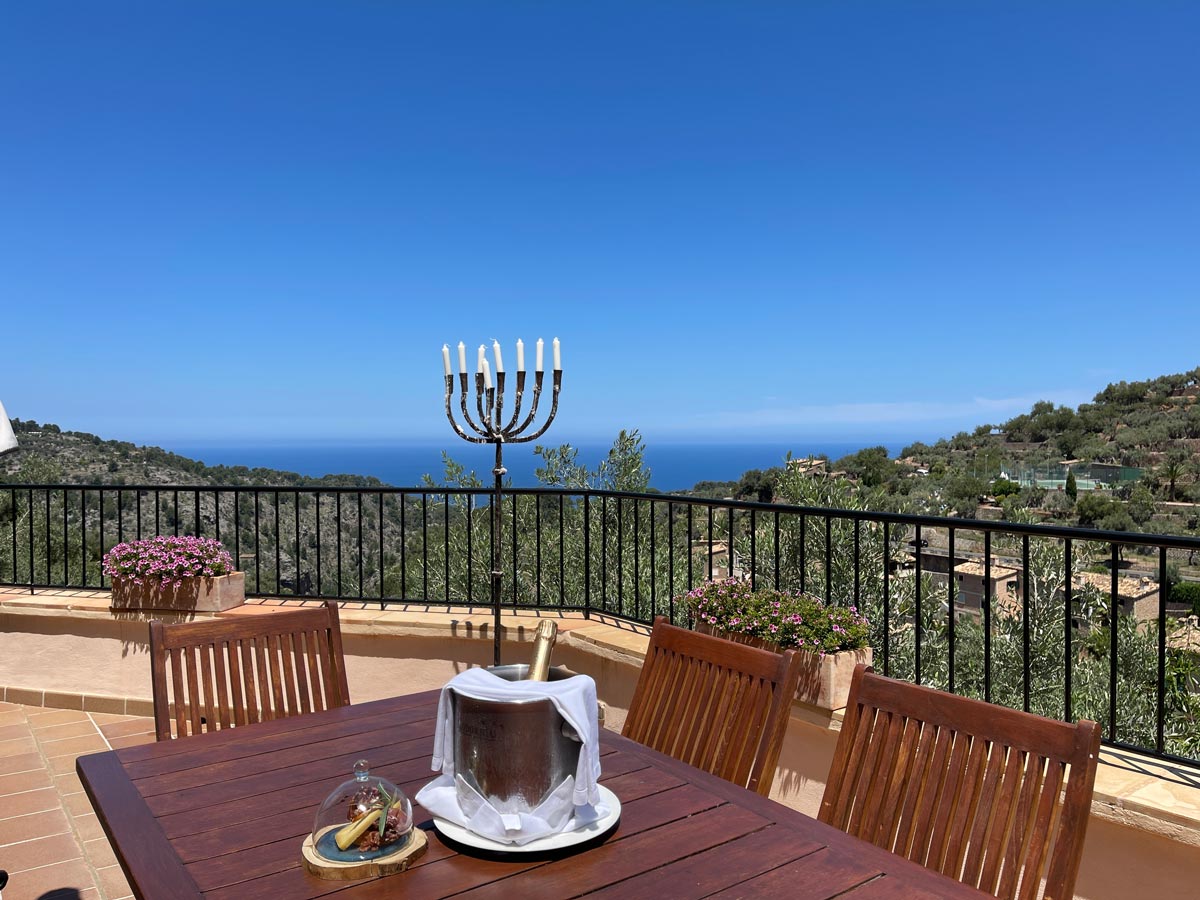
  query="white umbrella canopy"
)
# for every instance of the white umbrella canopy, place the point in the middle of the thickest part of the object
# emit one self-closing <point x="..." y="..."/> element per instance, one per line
<point x="8" y="440"/>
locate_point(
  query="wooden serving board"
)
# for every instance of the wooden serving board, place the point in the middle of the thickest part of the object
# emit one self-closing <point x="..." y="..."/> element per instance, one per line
<point x="398" y="860"/>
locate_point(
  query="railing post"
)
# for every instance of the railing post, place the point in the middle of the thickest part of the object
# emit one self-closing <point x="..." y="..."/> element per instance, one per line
<point x="587" y="556"/>
<point x="1114" y="624"/>
<point x="31" y="541"/>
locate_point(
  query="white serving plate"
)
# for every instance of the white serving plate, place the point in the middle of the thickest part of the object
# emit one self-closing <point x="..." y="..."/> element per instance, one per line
<point x="558" y="841"/>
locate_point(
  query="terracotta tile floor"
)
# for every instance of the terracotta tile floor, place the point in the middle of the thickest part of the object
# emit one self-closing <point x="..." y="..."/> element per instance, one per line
<point x="50" y="840"/>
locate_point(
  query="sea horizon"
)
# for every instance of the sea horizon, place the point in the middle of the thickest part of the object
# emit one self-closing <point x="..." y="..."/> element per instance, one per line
<point x="673" y="466"/>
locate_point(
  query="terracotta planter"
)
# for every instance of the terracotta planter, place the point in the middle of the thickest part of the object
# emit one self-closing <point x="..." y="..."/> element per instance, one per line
<point x="197" y="594"/>
<point x="824" y="680"/>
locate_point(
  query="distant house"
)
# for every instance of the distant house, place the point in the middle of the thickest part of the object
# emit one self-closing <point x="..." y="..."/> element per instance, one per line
<point x="808" y="466"/>
<point x="916" y="468"/>
<point x="973" y="581"/>
<point x="1137" y="596"/>
<point x="712" y="557"/>
<point x="935" y="560"/>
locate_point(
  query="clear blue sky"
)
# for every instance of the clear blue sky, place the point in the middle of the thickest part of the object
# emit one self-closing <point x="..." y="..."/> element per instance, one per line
<point x="246" y="220"/>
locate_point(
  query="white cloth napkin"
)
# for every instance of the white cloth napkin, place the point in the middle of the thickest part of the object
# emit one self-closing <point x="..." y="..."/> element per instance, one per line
<point x="570" y="805"/>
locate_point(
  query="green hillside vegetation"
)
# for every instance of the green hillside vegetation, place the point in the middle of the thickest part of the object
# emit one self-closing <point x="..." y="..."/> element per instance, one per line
<point x="1143" y="438"/>
<point x="50" y="455"/>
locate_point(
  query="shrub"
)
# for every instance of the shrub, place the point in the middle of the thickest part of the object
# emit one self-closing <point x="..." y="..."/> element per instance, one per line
<point x="791" y="620"/>
<point x="1002" y="487"/>
<point x="167" y="560"/>
<point x="1187" y="592"/>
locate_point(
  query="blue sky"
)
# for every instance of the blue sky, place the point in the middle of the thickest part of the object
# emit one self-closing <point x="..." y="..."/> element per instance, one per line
<point x="261" y="221"/>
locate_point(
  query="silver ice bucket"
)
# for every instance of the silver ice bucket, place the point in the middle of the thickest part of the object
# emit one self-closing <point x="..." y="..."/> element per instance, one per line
<point x="513" y="752"/>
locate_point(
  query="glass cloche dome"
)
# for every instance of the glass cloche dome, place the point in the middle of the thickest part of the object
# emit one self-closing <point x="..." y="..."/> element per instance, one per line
<point x="365" y="818"/>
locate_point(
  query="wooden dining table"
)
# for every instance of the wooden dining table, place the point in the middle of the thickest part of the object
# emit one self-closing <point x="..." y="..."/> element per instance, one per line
<point x="223" y="815"/>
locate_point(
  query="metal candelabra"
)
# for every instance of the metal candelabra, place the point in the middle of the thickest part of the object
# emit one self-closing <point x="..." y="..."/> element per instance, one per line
<point x="491" y="428"/>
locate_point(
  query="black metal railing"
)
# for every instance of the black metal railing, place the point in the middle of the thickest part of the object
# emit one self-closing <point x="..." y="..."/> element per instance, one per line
<point x="1065" y="622"/>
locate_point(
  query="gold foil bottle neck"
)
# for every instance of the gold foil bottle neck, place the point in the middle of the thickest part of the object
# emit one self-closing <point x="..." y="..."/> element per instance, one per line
<point x="543" y="646"/>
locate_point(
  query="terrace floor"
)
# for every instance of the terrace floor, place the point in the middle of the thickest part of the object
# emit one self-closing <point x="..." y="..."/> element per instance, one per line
<point x="54" y="848"/>
<point x="51" y="842"/>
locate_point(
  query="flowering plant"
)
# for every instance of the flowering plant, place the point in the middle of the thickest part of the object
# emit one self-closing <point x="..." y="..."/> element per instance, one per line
<point x="167" y="560"/>
<point x="791" y="620"/>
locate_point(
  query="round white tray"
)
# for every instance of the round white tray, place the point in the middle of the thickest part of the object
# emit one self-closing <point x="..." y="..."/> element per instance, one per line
<point x="540" y="845"/>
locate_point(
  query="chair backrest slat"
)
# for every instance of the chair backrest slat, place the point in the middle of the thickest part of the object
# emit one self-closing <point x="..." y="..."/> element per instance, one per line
<point x="271" y="647"/>
<point x="926" y="739"/>
<point x="715" y="704"/>
<point x="893" y="794"/>
<point x="177" y="682"/>
<point x="326" y="652"/>
<point x="221" y="654"/>
<point x="929" y="798"/>
<point x="249" y="708"/>
<point x="209" y="682"/>
<point x="238" y="670"/>
<point x="314" y="671"/>
<point x="994" y="764"/>
<point x="1040" y="825"/>
<point x="263" y="697"/>
<point x="965" y="810"/>
<point x="302" y="674"/>
<point x="193" y="695"/>
<point x="285" y="653"/>
<point x="993" y="797"/>
<point x="1002" y="817"/>
<point x="952" y="782"/>
<point x="881" y="768"/>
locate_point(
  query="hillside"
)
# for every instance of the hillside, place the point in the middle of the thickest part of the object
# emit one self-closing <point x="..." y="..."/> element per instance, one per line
<point x="1127" y="461"/>
<point x="1141" y="423"/>
<point x="50" y="455"/>
<point x="1136" y="444"/>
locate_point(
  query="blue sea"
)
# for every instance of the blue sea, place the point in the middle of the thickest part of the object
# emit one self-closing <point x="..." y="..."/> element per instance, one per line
<point x="673" y="467"/>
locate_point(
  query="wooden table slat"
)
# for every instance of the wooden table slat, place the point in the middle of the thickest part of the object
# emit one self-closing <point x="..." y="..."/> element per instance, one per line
<point x="617" y="861"/>
<point x="318" y="747"/>
<point x="721" y="867"/>
<point x="826" y="873"/>
<point x="288" y="799"/>
<point x="176" y="755"/>
<point x="149" y="861"/>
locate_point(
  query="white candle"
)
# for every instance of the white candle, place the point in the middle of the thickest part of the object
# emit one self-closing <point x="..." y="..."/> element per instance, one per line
<point x="520" y="355"/>
<point x="462" y="357"/>
<point x="557" y="357"/>
<point x="487" y="375"/>
<point x="482" y="361"/>
<point x="539" y="355"/>
<point x="499" y="358"/>
<point x="446" y="359"/>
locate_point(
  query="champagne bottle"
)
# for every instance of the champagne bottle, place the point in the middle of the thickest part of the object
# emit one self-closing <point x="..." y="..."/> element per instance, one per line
<point x="543" y="646"/>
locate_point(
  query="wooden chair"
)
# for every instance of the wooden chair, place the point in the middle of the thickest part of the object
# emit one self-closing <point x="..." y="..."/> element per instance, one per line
<point x="714" y="704"/>
<point x="993" y="797"/>
<point x="243" y="669"/>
